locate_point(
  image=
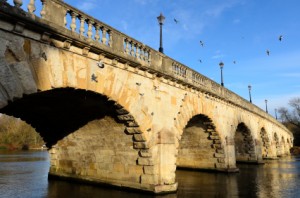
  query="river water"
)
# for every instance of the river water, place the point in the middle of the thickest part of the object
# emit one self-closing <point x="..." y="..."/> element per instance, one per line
<point x="24" y="175"/>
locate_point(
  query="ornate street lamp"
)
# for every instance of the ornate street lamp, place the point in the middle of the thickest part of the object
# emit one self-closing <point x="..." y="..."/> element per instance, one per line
<point x="266" y="101"/>
<point x="276" y="114"/>
<point x="249" y="88"/>
<point x="221" y="64"/>
<point x="161" y="20"/>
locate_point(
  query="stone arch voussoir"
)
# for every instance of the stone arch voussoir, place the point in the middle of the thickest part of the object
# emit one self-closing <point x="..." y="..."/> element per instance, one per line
<point x="266" y="144"/>
<point x="277" y="145"/>
<point x="244" y="144"/>
<point x="213" y="137"/>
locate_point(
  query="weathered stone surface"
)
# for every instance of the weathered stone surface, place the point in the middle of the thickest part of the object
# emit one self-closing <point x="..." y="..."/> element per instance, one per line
<point x="146" y="161"/>
<point x="145" y="153"/>
<point x="139" y="138"/>
<point x="133" y="130"/>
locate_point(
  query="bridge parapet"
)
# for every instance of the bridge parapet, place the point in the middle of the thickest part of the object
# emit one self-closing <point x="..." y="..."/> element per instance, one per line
<point x="97" y="37"/>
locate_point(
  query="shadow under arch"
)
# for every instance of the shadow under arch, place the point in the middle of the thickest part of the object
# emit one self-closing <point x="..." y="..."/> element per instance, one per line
<point x="200" y="146"/>
<point x="244" y="144"/>
<point x="277" y="145"/>
<point x="58" y="112"/>
<point x="284" y="146"/>
<point x="265" y="141"/>
<point x="91" y="138"/>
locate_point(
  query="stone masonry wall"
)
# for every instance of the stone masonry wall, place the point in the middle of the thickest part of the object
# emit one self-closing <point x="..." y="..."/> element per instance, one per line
<point x="99" y="151"/>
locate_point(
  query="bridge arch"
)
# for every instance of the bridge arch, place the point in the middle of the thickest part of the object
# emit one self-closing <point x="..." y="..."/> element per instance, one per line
<point x="277" y="145"/>
<point x="244" y="144"/>
<point x="58" y="112"/>
<point x="265" y="143"/>
<point x="200" y="146"/>
<point x="284" y="146"/>
<point x="89" y="135"/>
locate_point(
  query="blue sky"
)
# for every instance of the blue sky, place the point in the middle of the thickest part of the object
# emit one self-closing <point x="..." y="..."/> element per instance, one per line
<point x="232" y="30"/>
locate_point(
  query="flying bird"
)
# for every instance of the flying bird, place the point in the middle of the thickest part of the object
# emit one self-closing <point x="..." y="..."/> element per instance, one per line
<point x="268" y="52"/>
<point x="200" y="60"/>
<point x="175" y="20"/>
<point x="280" y="38"/>
<point x="234" y="62"/>
<point x="201" y="43"/>
<point x="94" y="78"/>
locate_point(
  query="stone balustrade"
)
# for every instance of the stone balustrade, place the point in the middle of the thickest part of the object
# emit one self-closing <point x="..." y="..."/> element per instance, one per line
<point x="98" y="34"/>
<point x="136" y="49"/>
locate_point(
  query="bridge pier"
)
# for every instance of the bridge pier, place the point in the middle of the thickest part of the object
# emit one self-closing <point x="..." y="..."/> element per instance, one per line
<point x="101" y="153"/>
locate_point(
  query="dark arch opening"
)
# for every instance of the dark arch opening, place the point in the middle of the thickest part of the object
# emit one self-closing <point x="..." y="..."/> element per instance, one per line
<point x="244" y="144"/>
<point x="200" y="146"/>
<point x="265" y="143"/>
<point x="277" y="145"/>
<point x="58" y="112"/>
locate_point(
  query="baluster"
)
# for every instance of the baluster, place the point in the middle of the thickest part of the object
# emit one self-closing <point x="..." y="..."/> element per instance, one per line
<point x="103" y="35"/>
<point x="132" y="48"/>
<point x="146" y="55"/>
<point x="137" y="53"/>
<point x="126" y="46"/>
<point x="31" y="8"/>
<point x="81" y="29"/>
<point x="18" y="3"/>
<point x="65" y="17"/>
<point x="142" y="54"/>
<point x="73" y="22"/>
<point x="97" y="35"/>
<point x="90" y="27"/>
<point x="181" y="71"/>
<point x="149" y="56"/>
<point x="43" y="11"/>
<point x="110" y="42"/>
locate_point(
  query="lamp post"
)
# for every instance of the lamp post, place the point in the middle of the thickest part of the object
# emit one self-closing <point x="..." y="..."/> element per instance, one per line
<point x="161" y="20"/>
<point x="221" y="64"/>
<point x="266" y="101"/>
<point x="276" y="114"/>
<point x="249" y="88"/>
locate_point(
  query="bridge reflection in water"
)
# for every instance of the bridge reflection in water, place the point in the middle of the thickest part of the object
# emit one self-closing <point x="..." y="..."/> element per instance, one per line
<point x="24" y="174"/>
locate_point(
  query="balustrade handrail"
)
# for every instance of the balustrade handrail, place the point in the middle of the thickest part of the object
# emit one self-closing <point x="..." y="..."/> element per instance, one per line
<point x="130" y="47"/>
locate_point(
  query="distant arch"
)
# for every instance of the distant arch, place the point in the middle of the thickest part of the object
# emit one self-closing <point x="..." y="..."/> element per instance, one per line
<point x="244" y="144"/>
<point x="200" y="145"/>
<point x="58" y="112"/>
<point x="277" y="145"/>
<point x="89" y="135"/>
<point x="265" y="142"/>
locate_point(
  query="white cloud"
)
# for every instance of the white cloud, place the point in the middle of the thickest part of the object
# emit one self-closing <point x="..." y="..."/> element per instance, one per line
<point x="144" y="2"/>
<point x="87" y="6"/>
<point x="236" y="21"/>
<point x="291" y="75"/>
<point x="218" y="9"/>
<point x="276" y="101"/>
<point x="124" y="25"/>
<point x="218" y="55"/>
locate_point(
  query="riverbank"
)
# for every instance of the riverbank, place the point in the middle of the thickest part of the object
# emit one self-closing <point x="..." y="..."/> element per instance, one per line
<point x="295" y="150"/>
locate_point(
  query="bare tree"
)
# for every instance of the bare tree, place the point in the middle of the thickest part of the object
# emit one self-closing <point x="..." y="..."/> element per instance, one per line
<point x="14" y="131"/>
<point x="291" y="118"/>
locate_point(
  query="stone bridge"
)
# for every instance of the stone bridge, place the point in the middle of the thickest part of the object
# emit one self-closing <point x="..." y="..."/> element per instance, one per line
<point x="115" y="111"/>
